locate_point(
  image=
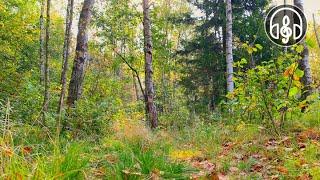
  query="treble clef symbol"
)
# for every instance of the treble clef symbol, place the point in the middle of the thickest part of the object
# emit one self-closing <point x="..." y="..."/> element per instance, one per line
<point x="285" y="31"/>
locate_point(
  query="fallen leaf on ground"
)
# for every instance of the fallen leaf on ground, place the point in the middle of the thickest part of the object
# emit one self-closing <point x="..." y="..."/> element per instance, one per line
<point x="282" y="170"/>
<point x="257" y="167"/>
<point x="26" y="150"/>
<point x="304" y="177"/>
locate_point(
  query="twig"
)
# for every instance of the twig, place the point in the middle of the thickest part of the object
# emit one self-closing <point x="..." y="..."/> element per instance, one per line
<point x="134" y="70"/>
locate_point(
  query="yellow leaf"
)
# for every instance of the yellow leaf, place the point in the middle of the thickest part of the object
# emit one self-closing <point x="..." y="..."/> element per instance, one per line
<point x="184" y="154"/>
<point x="296" y="78"/>
<point x="8" y="152"/>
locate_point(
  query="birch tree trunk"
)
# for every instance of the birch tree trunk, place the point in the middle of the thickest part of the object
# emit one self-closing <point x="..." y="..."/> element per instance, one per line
<point x="66" y="49"/>
<point x="229" y="54"/>
<point x="152" y="115"/>
<point x="304" y="62"/>
<point x="42" y="41"/>
<point x="315" y="30"/>
<point x="46" y="66"/>
<point x="77" y="76"/>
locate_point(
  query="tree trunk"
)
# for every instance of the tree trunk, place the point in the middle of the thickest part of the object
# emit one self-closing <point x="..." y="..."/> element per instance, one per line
<point x="315" y="30"/>
<point x="304" y="62"/>
<point x="42" y="41"/>
<point x="152" y="115"/>
<point x="229" y="54"/>
<point x="66" y="49"/>
<point x="77" y="76"/>
<point x="46" y="67"/>
<point x="135" y="87"/>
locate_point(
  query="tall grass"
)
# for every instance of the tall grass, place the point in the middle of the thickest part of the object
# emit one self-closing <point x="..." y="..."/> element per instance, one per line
<point x="19" y="161"/>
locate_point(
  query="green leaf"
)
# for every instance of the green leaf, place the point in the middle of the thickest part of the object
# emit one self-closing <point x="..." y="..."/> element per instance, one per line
<point x="245" y="45"/>
<point x="244" y="61"/>
<point x="299" y="73"/>
<point x="259" y="46"/>
<point x="311" y="42"/>
<point x="300" y="48"/>
<point x="293" y="91"/>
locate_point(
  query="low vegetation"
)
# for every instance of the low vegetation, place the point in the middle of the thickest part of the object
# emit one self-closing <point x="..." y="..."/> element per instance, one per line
<point x="146" y="96"/>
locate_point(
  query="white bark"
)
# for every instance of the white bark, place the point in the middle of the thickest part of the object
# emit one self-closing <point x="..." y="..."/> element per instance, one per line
<point x="46" y="66"/>
<point x="229" y="53"/>
<point x="42" y="41"/>
<point x="66" y="49"/>
<point x="304" y="62"/>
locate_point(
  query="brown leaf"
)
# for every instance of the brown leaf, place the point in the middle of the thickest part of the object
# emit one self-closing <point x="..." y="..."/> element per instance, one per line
<point x="257" y="167"/>
<point x="213" y="176"/>
<point x="155" y="174"/>
<point x="282" y="170"/>
<point x="256" y="156"/>
<point x="222" y="177"/>
<point x="99" y="172"/>
<point x="111" y="158"/>
<point x="217" y="176"/>
<point x="302" y="145"/>
<point x="26" y="150"/>
<point x="309" y="134"/>
<point x="304" y="177"/>
<point x="286" y="141"/>
<point x="204" y="165"/>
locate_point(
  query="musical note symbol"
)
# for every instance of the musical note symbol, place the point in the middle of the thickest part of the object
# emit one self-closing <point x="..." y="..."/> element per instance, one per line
<point x="285" y="31"/>
<point x="286" y="25"/>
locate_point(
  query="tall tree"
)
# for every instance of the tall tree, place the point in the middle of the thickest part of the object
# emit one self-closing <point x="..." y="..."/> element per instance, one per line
<point x="152" y="114"/>
<point x="77" y="76"/>
<point x="315" y="30"/>
<point x="46" y="66"/>
<point x="42" y="40"/>
<point x="229" y="54"/>
<point x="304" y="62"/>
<point x="66" y="49"/>
<point x="204" y="54"/>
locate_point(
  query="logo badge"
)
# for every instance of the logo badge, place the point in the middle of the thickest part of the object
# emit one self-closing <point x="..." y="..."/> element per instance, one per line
<point x="286" y="25"/>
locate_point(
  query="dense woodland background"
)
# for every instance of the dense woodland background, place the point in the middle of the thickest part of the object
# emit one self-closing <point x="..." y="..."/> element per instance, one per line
<point x="155" y="89"/>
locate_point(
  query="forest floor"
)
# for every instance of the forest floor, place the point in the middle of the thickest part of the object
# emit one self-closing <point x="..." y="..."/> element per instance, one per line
<point x="204" y="151"/>
<point x="241" y="152"/>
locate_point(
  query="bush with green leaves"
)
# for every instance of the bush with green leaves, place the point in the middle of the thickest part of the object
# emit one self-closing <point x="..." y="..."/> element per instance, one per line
<point x="266" y="93"/>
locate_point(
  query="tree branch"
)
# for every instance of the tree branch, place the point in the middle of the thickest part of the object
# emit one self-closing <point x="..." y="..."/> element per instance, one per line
<point x="133" y="69"/>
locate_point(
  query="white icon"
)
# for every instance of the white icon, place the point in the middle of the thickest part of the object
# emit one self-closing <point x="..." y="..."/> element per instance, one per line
<point x="285" y="31"/>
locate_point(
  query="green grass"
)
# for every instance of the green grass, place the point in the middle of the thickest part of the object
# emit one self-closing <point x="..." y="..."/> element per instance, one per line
<point x="69" y="162"/>
<point x="130" y="154"/>
<point x="139" y="160"/>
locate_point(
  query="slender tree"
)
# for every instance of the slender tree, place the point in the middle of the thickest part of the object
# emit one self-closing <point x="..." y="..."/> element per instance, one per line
<point x="152" y="115"/>
<point x="42" y="41"/>
<point x="315" y="30"/>
<point x="46" y="66"/>
<point x="229" y="54"/>
<point x="77" y="76"/>
<point x="304" y="62"/>
<point x="66" y="49"/>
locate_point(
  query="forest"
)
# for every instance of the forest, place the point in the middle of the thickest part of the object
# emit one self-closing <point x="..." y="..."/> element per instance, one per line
<point x="157" y="89"/>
